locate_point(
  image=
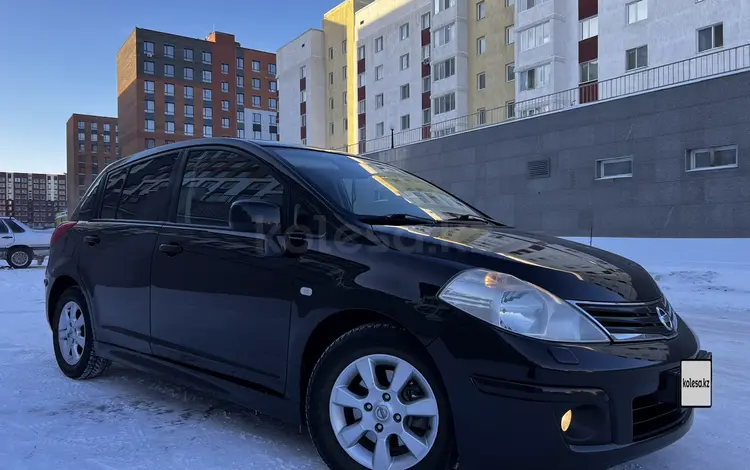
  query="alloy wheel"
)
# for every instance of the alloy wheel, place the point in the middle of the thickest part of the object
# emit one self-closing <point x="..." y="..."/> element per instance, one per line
<point x="384" y="413"/>
<point x="19" y="258"/>
<point x="71" y="333"/>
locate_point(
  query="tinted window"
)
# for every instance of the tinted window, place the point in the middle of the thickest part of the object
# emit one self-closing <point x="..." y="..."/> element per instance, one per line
<point x="87" y="206"/>
<point x="145" y="195"/>
<point x="214" y="179"/>
<point x="14" y="227"/>
<point x="367" y="187"/>
<point x="3" y="228"/>
<point x="112" y="191"/>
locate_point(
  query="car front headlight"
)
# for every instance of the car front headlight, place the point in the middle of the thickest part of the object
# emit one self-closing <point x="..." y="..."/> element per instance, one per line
<point x="520" y="307"/>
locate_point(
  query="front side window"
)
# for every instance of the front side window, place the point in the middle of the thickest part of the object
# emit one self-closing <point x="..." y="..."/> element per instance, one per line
<point x="364" y="187"/>
<point x="140" y="191"/>
<point x="214" y="179"/>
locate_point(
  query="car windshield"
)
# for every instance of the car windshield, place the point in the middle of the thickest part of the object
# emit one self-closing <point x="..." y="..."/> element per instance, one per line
<point x="368" y="188"/>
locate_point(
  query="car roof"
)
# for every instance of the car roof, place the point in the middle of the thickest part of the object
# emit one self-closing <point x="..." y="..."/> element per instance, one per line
<point x="265" y="144"/>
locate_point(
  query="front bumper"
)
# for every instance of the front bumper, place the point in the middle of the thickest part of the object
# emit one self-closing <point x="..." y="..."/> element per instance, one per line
<point x="507" y="406"/>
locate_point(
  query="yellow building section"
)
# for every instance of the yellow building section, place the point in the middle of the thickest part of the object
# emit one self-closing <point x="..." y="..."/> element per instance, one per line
<point x="489" y="58"/>
<point x="127" y="63"/>
<point x="340" y="60"/>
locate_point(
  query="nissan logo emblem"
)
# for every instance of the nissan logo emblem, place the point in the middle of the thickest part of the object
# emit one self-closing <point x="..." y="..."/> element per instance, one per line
<point x="665" y="318"/>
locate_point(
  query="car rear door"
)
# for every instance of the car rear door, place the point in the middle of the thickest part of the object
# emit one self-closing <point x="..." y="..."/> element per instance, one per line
<point x="6" y="236"/>
<point x="115" y="249"/>
<point x="218" y="302"/>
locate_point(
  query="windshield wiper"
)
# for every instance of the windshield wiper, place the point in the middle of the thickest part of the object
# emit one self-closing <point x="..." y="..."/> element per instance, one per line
<point x="470" y="217"/>
<point x="395" y="218"/>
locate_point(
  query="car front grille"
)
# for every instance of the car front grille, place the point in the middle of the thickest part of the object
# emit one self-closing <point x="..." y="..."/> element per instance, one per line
<point x="653" y="417"/>
<point x="631" y="321"/>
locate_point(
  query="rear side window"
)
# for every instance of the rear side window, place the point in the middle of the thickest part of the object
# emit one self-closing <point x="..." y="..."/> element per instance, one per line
<point x="214" y="179"/>
<point x="145" y="195"/>
<point x="87" y="207"/>
<point x="3" y="228"/>
<point x="139" y="191"/>
<point x="14" y="227"/>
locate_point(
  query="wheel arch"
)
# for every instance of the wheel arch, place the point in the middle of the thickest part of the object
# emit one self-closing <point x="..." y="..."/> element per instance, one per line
<point x="60" y="285"/>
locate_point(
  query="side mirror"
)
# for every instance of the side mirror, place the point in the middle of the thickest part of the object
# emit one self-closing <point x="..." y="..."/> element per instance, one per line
<point x="255" y="217"/>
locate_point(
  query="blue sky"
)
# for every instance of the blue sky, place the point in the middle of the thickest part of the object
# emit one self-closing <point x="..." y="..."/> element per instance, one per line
<point x="59" y="58"/>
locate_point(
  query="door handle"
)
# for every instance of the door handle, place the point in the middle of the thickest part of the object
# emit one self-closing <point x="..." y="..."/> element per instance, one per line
<point x="7" y="236"/>
<point x="170" y="249"/>
<point x="91" y="240"/>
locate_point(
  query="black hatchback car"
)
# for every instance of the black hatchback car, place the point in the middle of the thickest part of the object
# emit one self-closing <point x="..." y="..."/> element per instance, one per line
<point x="405" y="328"/>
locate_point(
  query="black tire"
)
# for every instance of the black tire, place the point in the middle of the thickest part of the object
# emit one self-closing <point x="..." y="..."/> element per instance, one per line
<point x="89" y="365"/>
<point x="376" y="338"/>
<point x="13" y="251"/>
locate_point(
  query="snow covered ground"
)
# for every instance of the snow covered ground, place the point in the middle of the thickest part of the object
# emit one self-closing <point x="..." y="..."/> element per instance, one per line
<point x="129" y="420"/>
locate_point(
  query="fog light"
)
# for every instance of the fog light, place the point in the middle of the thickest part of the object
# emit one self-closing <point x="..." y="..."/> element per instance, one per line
<point x="565" y="420"/>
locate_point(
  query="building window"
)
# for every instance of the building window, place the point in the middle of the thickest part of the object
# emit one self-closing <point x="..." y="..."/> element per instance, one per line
<point x="241" y="82"/>
<point x="168" y="70"/>
<point x="611" y="168"/>
<point x="148" y="67"/>
<point x="404" y="31"/>
<point x="535" y="37"/>
<point x="714" y="158"/>
<point x="404" y="60"/>
<point x="206" y="57"/>
<point x="379" y="101"/>
<point x="344" y="98"/>
<point x="481" y="10"/>
<point x="361" y="80"/>
<point x="535" y="78"/>
<point x="303" y="120"/>
<point x="426" y="84"/>
<point x="257" y="135"/>
<point x="405" y="91"/>
<point x="187" y="73"/>
<point x="240" y="116"/>
<point x="510" y="3"/>
<point x="444" y="104"/>
<point x="224" y="69"/>
<point x="510" y="72"/>
<point x="168" y="51"/>
<point x="81" y="136"/>
<point x="148" y="108"/>
<point x="272" y="70"/>
<point x="589" y="28"/>
<point x="425" y="53"/>
<point x="527" y="4"/>
<point x="343" y="47"/>
<point x="589" y="71"/>
<point x="378" y="44"/>
<point x="225" y="105"/>
<point x="225" y="87"/>
<point x="169" y="89"/>
<point x="510" y="109"/>
<point x="441" y="5"/>
<point x="187" y="92"/>
<point x="330" y="103"/>
<point x="331" y="128"/>
<point x="346" y="124"/>
<point x="444" y="69"/>
<point x="148" y="48"/>
<point x="208" y="113"/>
<point x="426" y="116"/>
<point x="362" y="106"/>
<point x="188" y="129"/>
<point x="303" y="72"/>
<point x="240" y="133"/>
<point x="330" y="53"/>
<point x="188" y="110"/>
<point x="637" y="11"/>
<point x="481" y="116"/>
<point x="330" y="78"/>
<point x="444" y="35"/>
<point x="481" y="81"/>
<point x="405" y="122"/>
<point x="273" y="87"/>
<point x="426" y="21"/>
<point x="187" y="54"/>
<point x="343" y="72"/>
<point x="169" y="127"/>
<point x="150" y="143"/>
<point x="379" y="129"/>
<point x="272" y="119"/>
<point x="225" y="123"/>
<point x="481" y="45"/>
<point x="149" y="125"/>
<point x="256" y="65"/>
<point x="169" y="109"/>
<point x="148" y="87"/>
<point x="206" y="76"/>
<point x="240" y="99"/>
<point x="360" y="52"/>
<point x="711" y="37"/>
<point x="207" y="94"/>
<point x="510" y="34"/>
<point x="82" y="125"/>
<point x="257" y="118"/>
<point x="240" y="63"/>
<point x="208" y="131"/>
<point x="302" y="96"/>
<point x="636" y="58"/>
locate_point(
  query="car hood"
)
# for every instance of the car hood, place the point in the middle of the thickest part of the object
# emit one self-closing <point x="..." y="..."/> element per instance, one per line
<point x="570" y="270"/>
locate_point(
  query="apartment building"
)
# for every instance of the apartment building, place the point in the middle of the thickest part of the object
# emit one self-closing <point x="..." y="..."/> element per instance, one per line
<point x="92" y="143"/>
<point x="606" y="48"/>
<point x="32" y="198"/>
<point x="172" y="88"/>
<point x="396" y="69"/>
